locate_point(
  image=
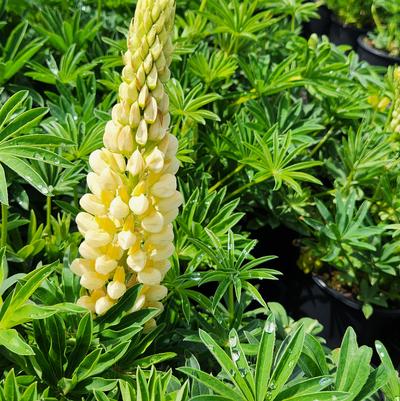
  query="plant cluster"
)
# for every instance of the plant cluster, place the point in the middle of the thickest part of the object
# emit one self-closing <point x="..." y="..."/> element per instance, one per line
<point x="353" y="12"/>
<point x="268" y="129"/>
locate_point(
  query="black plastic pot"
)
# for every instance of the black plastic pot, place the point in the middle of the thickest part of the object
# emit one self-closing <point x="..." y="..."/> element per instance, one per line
<point x="321" y="25"/>
<point x="341" y="34"/>
<point x="336" y="312"/>
<point x="374" y="56"/>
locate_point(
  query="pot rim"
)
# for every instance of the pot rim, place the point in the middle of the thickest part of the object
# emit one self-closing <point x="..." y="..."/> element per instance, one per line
<point x="376" y="52"/>
<point x="351" y="302"/>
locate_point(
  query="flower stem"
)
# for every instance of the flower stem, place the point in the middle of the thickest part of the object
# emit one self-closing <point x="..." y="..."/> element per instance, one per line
<point x="48" y="214"/>
<point x="220" y="182"/>
<point x="321" y="142"/>
<point x="4" y="223"/>
<point x="231" y="306"/>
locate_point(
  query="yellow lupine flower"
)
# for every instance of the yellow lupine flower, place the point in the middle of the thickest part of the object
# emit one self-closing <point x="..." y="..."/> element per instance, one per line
<point x="126" y="223"/>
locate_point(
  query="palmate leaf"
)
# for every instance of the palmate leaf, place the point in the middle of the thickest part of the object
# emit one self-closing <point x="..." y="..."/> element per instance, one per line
<point x="277" y="162"/>
<point x="189" y="106"/>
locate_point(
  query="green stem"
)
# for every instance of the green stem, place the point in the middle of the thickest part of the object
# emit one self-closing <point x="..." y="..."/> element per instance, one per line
<point x="231" y="304"/>
<point x="203" y="5"/>
<point x="293" y="23"/>
<point x="245" y="186"/>
<point x="220" y="182"/>
<point x="4" y="223"/>
<point x="48" y="215"/>
<point x="321" y="142"/>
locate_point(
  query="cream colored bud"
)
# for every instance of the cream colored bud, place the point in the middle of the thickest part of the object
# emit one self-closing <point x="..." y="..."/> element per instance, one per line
<point x="165" y="121"/>
<point x="93" y="280"/>
<point x="163" y="252"/>
<point x="92" y="204"/>
<point x="171" y="166"/>
<point x="140" y="77"/>
<point x="134" y="115"/>
<point x="156" y="132"/>
<point x="137" y="261"/>
<point x="163" y="266"/>
<point x="173" y="145"/>
<point x="156" y="293"/>
<point x="87" y="302"/>
<point x="166" y="204"/>
<point x="87" y="251"/>
<point x="127" y="57"/>
<point x="116" y="289"/>
<point x="126" y="239"/>
<point x="157" y="305"/>
<point x="155" y="160"/>
<point x="138" y="304"/>
<point x="120" y="113"/>
<point x="156" y="49"/>
<point x="128" y="92"/>
<point x="153" y="223"/>
<point x="152" y="78"/>
<point x="135" y="163"/>
<point x="96" y="160"/>
<point x="79" y="266"/>
<point x="110" y="137"/>
<point x="165" y="187"/>
<point x="86" y="222"/>
<point x="128" y="73"/>
<point x="149" y="276"/>
<point x="171" y="215"/>
<point x="93" y="184"/>
<point x="103" y="304"/>
<point x="141" y="133"/>
<point x="105" y="265"/>
<point x="148" y="63"/>
<point x="118" y="208"/>
<point x="139" y="204"/>
<point x="164" y="73"/>
<point x="150" y="112"/>
<point x="109" y="181"/>
<point x="125" y="140"/>
<point x="143" y="96"/>
<point x="164" y="236"/>
<point x="164" y="106"/>
<point x="97" y="238"/>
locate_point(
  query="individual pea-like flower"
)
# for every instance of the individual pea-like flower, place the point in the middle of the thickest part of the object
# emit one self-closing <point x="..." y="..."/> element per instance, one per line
<point x="133" y="199"/>
<point x="395" y="122"/>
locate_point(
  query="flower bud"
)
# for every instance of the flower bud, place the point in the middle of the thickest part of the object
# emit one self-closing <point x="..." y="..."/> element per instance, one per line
<point x="139" y="204"/>
<point x="165" y="187"/>
<point x="156" y="293"/>
<point x="135" y="163"/>
<point x="87" y="251"/>
<point x="110" y="137"/>
<point x="153" y="223"/>
<point x="126" y="239"/>
<point x="166" y="204"/>
<point x="103" y="304"/>
<point x="173" y="145"/>
<point x="143" y="96"/>
<point x="128" y="74"/>
<point x="105" y="265"/>
<point x="137" y="260"/>
<point x="141" y="133"/>
<point x="152" y="77"/>
<point x="93" y="184"/>
<point x="117" y="287"/>
<point x="118" y="208"/>
<point x="171" y="215"/>
<point x="86" y="222"/>
<point x="92" y="204"/>
<point x="150" y="112"/>
<point x="164" y="236"/>
<point x="97" y="162"/>
<point x="128" y="92"/>
<point x="125" y="140"/>
<point x="155" y="160"/>
<point x="149" y="276"/>
<point x="138" y="304"/>
<point x="97" y="238"/>
<point x="87" y="302"/>
<point x="171" y="166"/>
<point x="93" y="280"/>
<point x="134" y="115"/>
<point x="163" y="252"/>
<point x="81" y="266"/>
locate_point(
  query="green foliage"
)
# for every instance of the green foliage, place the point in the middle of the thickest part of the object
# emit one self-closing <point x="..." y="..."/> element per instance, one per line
<point x="354" y="12"/>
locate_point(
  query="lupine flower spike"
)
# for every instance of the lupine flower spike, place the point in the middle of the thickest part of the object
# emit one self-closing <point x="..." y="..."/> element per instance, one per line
<point x="395" y="123"/>
<point x="133" y="199"/>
